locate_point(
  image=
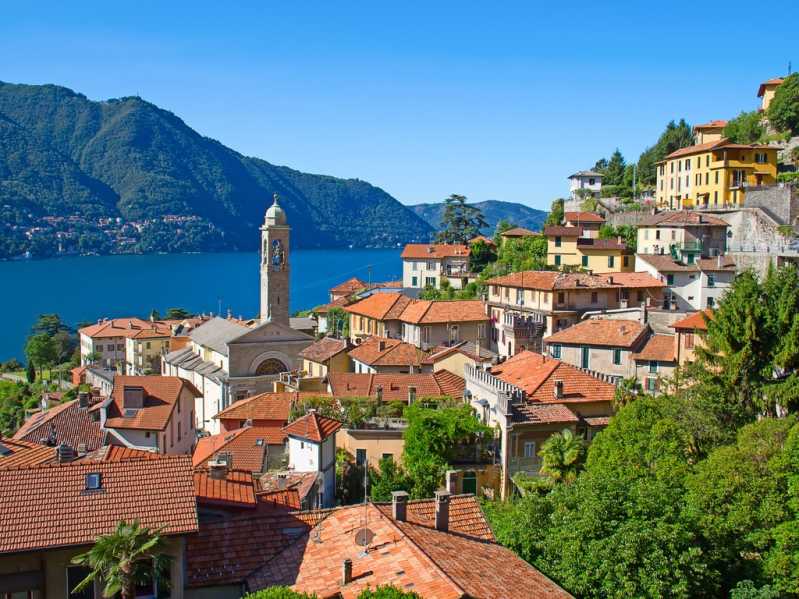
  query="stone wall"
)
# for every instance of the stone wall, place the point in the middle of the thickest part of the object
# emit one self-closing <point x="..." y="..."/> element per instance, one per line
<point x="781" y="202"/>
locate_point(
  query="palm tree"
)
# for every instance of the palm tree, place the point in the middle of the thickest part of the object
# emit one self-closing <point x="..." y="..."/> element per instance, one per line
<point x="562" y="456"/>
<point x="126" y="557"/>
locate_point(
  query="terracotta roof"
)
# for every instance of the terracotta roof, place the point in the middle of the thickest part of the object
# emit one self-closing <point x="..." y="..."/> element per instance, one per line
<point x="380" y="306"/>
<point x="695" y="321"/>
<point x="720" y="263"/>
<point x="443" y="311"/>
<point x="395" y="386"/>
<point x="715" y="124"/>
<point x="302" y="482"/>
<point x="563" y="231"/>
<point x="665" y="263"/>
<point x="247" y="447"/>
<point x="602" y="332"/>
<point x="550" y="280"/>
<point x="264" y="406"/>
<point x="682" y="218"/>
<point x="349" y="286"/>
<point x="336" y="303"/>
<point x="602" y="244"/>
<point x="762" y="89"/>
<point x="530" y="279"/>
<point x="236" y="489"/>
<point x="117" y="453"/>
<point x="68" y="422"/>
<point x="586" y="174"/>
<point x="583" y="217"/>
<point x="45" y="507"/>
<point x="125" y="327"/>
<point x="324" y="349"/>
<point x="467" y="348"/>
<point x="659" y="348"/>
<point x="483" y="238"/>
<point x="536" y="374"/>
<point x="716" y="145"/>
<point x="433" y="251"/>
<point x="313" y="427"/>
<point x="15" y="453"/>
<point x="518" y="232"/>
<point x="382" y="351"/>
<point x="543" y="413"/>
<point x="161" y="394"/>
<point x="597" y="420"/>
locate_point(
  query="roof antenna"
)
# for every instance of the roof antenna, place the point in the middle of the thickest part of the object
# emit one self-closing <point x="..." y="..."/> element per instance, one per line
<point x="364" y="536"/>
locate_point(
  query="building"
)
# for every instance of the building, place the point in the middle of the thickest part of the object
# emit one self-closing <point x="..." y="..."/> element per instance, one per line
<point x="516" y="233"/>
<point x="655" y="362"/>
<point x="329" y="354"/>
<point x="275" y="233"/>
<point x="454" y="358"/>
<point x="75" y="423"/>
<point x="691" y="332"/>
<point x="14" y="453"/>
<point x="568" y="247"/>
<point x="104" y="343"/>
<point x="440" y="548"/>
<point x="695" y="286"/>
<point x="585" y="183"/>
<point x="52" y="513"/>
<point x="529" y="397"/>
<point x="396" y="387"/>
<point x="427" y="324"/>
<point x="151" y="413"/>
<point x="713" y="175"/>
<point x="269" y="410"/>
<point x="312" y="448"/>
<point x="685" y="236"/>
<point x="712" y="131"/>
<point x="589" y="222"/>
<point x="347" y="289"/>
<point x="381" y="354"/>
<point x="320" y="313"/>
<point x="527" y="306"/>
<point x="428" y="264"/>
<point x="252" y="448"/>
<point x="766" y="92"/>
<point x="228" y="361"/>
<point x="377" y="314"/>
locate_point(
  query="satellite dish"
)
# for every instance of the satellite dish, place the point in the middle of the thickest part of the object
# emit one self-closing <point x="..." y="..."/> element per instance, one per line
<point x="364" y="537"/>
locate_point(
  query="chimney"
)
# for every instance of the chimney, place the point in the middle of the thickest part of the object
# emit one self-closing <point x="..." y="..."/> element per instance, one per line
<point x="65" y="453"/>
<point x="429" y="249"/>
<point x="133" y="398"/>
<point x="83" y="400"/>
<point x="411" y="395"/>
<point x="379" y="392"/>
<point x="381" y="345"/>
<point x="719" y="260"/>
<point x="217" y="469"/>
<point x="610" y="280"/>
<point x="442" y="511"/>
<point x="247" y="423"/>
<point x="82" y="449"/>
<point x="399" y="505"/>
<point x="558" y="389"/>
<point x="346" y="571"/>
<point x="281" y="482"/>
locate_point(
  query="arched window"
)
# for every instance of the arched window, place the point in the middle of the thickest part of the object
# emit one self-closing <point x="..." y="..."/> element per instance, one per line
<point x="270" y="366"/>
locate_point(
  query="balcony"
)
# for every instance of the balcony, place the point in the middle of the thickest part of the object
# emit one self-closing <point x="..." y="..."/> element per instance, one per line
<point x="299" y="381"/>
<point x="528" y="466"/>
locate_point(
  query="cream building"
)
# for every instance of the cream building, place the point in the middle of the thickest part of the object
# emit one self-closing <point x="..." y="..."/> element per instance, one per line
<point x="428" y="264"/>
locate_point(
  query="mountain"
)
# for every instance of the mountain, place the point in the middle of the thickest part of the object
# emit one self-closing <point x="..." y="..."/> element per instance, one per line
<point x="493" y="211"/>
<point x="126" y="175"/>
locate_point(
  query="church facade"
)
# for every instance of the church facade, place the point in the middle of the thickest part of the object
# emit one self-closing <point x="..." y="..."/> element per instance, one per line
<point x="228" y="361"/>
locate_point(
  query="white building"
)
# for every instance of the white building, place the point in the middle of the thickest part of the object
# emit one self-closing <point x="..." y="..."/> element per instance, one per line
<point x="689" y="287"/>
<point x="427" y="264"/>
<point x="590" y="181"/>
<point x="312" y="448"/>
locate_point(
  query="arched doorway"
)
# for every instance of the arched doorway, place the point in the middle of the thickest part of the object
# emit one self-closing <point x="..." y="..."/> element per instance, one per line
<point x="270" y="366"/>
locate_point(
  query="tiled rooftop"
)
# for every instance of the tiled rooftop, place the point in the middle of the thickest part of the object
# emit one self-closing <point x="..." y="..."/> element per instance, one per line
<point x="247" y="447"/>
<point x="433" y="251"/>
<point x="15" y="453"/>
<point x="695" y="321"/>
<point x="324" y="349"/>
<point x="126" y="327"/>
<point x="380" y="306"/>
<point x="312" y="427"/>
<point x="658" y="348"/>
<point x="600" y="331"/>
<point x="236" y="489"/>
<point x="264" y="406"/>
<point x="381" y="351"/>
<point x="395" y="386"/>
<point x="442" y="312"/>
<point x="68" y="423"/>
<point x="161" y="395"/>
<point x="583" y="217"/>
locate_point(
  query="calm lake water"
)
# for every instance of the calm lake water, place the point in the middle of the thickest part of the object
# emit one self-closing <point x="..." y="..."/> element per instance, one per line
<point x="83" y="289"/>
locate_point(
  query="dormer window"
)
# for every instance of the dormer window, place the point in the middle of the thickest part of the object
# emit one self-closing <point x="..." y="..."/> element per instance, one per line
<point x="94" y="481"/>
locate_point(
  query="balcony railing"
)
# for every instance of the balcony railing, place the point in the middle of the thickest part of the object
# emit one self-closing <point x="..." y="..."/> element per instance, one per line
<point x="529" y="466"/>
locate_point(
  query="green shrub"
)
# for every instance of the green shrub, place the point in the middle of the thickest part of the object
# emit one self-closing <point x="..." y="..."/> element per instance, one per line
<point x="278" y="593"/>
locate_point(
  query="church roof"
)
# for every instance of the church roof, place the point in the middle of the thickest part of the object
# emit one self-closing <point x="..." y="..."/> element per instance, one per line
<point x="217" y="333"/>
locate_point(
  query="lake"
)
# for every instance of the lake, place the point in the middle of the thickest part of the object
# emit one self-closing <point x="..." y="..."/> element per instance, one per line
<point x="83" y="289"/>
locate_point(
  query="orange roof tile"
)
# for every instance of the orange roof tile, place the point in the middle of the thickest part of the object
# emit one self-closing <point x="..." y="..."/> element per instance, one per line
<point x="444" y="311"/>
<point x="48" y="506"/>
<point x="125" y="327"/>
<point x="161" y="395"/>
<point x="382" y="351"/>
<point x="600" y="331"/>
<point x="658" y="348"/>
<point x="380" y="306"/>
<point x="15" y="453"/>
<point x="682" y="218"/>
<point x="530" y="279"/>
<point x="603" y="244"/>
<point x="563" y="231"/>
<point x="67" y="423"/>
<point x="714" y="124"/>
<point x="433" y="251"/>
<point x="324" y="349"/>
<point x="762" y="89"/>
<point x="236" y="489"/>
<point x="301" y="483"/>
<point x="264" y="406"/>
<point x="583" y="217"/>
<point x="550" y="280"/>
<point x="246" y="446"/>
<point x="349" y="286"/>
<point x="395" y="385"/>
<point x="518" y="232"/>
<point x="483" y="238"/>
<point x="696" y="321"/>
<point x="117" y="453"/>
<point x="313" y="427"/>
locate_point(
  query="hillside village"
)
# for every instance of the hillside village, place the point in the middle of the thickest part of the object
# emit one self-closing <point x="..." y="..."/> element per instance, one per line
<point x="283" y="449"/>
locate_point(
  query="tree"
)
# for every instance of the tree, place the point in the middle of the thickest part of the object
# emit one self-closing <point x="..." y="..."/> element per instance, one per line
<point x="41" y="350"/>
<point x="783" y="111"/>
<point x="387" y="479"/>
<point x="177" y="314"/>
<point x="388" y="592"/>
<point x="460" y="222"/>
<point x="556" y="214"/>
<point x="481" y="255"/>
<point x="614" y="173"/>
<point x="155" y="315"/>
<point x="338" y="322"/>
<point x="279" y="592"/>
<point x="122" y="559"/>
<point x="675" y="136"/>
<point x="30" y="372"/>
<point x="628" y="233"/>
<point x="65" y="341"/>
<point x="562" y="456"/>
<point x="627" y="391"/>
<point x="746" y="128"/>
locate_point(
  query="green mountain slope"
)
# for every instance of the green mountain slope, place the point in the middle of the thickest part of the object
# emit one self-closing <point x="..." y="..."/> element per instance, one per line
<point x="139" y="162"/>
<point x="493" y="210"/>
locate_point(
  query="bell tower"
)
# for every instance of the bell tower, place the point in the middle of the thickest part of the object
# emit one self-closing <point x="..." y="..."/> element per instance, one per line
<point x="275" y="265"/>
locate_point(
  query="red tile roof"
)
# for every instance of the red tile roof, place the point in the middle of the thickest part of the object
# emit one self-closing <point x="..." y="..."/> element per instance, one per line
<point x="324" y="349"/>
<point x="246" y="446"/>
<point x="349" y="286"/>
<point x="536" y="374"/>
<point x="583" y="217"/>
<point x="264" y="406"/>
<point x="659" y="348"/>
<point x="380" y="306"/>
<point x="443" y="311"/>
<point x="715" y="124"/>
<point x="433" y="251"/>
<point x="483" y="238"/>
<point x="48" y="506"/>
<point x="518" y="232"/>
<point x="762" y="89"/>
<point x="696" y="321"/>
<point x="602" y="332"/>
<point x="549" y="280"/>
<point x="236" y="489"/>
<point x="682" y="218"/>
<point x="718" y="264"/>
<point x="543" y="413"/>
<point x="715" y="145"/>
<point x="395" y="385"/>
<point x="117" y="453"/>
<point x="125" y="327"/>
<point x="336" y="303"/>
<point x="602" y="244"/>
<point x="297" y="486"/>
<point x="68" y="422"/>
<point x="562" y="231"/>
<point x="382" y="351"/>
<point x="161" y="395"/>
<point x="313" y="427"/>
<point x="24" y="453"/>
<point x="665" y="263"/>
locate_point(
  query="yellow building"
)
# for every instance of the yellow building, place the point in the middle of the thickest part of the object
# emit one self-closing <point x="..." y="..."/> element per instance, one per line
<point x="713" y="174"/>
<point x="566" y="247"/>
<point x="766" y="92"/>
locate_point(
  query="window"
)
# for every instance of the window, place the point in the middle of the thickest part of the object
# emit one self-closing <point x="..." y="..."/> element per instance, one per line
<point x="594" y="297"/>
<point x="585" y="261"/>
<point x="147" y="345"/>
<point x="657" y="233"/>
<point x="715" y="197"/>
<point x="707" y="178"/>
<point x="414" y="266"/>
<point x="761" y="157"/>
<point x="360" y="457"/>
<point x="561" y="297"/>
<point x="558" y="241"/>
<point x="689" y="340"/>
<point x="425" y="334"/>
<point x="611" y="261"/>
<point x="557" y="260"/>
<point x="707" y="160"/>
<point x="520" y="297"/>
<point x="717" y="177"/>
<point x="671" y="169"/>
<point x="669" y="279"/>
<point x="429" y="281"/>
<point x="388" y="456"/>
<point x="711" y="279"/>
<point x="453" y="333"/>
<point x="529" y="449"/>
<point x="120" y="347"/>
<point x="414" y="281"/>
<point x="688" y="164"/>
<point x="431" y="265"/>
<point x="653" y="366"/>
<point x="617" y="356"/>
<point x="555" y="351"/>
<point x="75" y="574"/>
<point x="698" y="161"/>
<point x="585" y="357"/>
<point x="591" y="181"/>
<point x="110" y="348"/>
<point x="710" y="302"/>
<point x="651" y="384"/>
<point x="626" y="261"/>
<point x="94" y="481"/>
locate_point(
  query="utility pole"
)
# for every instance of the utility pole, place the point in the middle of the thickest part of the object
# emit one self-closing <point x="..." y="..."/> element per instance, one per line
<point x="369" y="270"/>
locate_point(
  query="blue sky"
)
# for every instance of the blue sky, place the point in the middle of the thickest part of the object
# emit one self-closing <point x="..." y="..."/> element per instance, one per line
<point x="491" y="100"/>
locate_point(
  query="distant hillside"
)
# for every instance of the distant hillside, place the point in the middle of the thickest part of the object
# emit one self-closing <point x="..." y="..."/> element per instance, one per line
<point x="493" y="210"/>
<point x="125" y="175"/>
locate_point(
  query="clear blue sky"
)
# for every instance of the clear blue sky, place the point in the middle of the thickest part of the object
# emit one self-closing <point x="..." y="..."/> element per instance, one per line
<point x="424" y="99"/>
